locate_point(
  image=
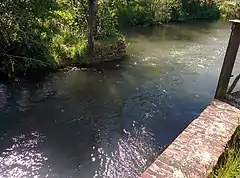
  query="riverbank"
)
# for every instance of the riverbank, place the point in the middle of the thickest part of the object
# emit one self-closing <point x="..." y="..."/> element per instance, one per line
<point x="59" y="35"/>
<point x="156" y="12"/>
<point x="104" y="51"/>
<point x="54" y="37"/>
<point x="44" y="36"/>
<point x="229" y="163"/>
<point x="198" y="148"/>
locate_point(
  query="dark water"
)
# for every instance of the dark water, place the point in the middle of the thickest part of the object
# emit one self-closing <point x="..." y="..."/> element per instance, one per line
<point x="112" y="121"/>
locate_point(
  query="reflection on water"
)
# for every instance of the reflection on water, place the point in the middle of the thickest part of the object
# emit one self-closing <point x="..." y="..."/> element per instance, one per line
<point x="132" y="152"/>
<point x="22" y="158"/>
<point x="111" y="121"/>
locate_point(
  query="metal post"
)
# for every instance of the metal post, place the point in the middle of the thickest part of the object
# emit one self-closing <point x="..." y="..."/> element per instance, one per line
<point x="229" y="61"/>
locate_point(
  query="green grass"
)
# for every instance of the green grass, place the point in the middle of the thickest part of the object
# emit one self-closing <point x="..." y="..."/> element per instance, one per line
<point x="228" y="165"/>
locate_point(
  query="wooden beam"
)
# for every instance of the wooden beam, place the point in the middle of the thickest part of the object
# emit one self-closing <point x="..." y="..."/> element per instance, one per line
<point x="229" y="61"/>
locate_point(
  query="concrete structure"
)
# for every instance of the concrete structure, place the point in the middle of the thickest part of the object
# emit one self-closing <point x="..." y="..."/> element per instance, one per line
<point x="195" y="152"/>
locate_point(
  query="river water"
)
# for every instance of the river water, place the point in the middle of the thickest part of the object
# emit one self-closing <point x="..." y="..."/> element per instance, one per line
<point x="112" y="121"/>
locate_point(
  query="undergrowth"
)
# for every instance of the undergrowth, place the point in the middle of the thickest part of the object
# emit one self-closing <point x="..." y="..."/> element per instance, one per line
<point x="228" y="165"/>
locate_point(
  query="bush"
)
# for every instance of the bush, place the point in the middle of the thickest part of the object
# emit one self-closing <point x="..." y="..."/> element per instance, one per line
<point x="142" y="12"/>
<point x="168" y="10"/>
<point x="229" y="8"/>
<point x="136" y="12"/>
<point x="23" y="34"/>
<point x="37" y="34"/>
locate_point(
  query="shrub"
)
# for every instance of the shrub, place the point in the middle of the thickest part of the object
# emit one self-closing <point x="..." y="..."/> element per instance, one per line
<point x="229" y="8"/>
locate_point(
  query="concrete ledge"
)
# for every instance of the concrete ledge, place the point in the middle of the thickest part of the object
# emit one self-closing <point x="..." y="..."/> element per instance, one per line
<point x="195" y="152"/>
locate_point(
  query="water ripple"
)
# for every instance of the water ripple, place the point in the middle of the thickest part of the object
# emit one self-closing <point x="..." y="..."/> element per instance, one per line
<point x="22" y="158"/>
<point x="132" y="155"/>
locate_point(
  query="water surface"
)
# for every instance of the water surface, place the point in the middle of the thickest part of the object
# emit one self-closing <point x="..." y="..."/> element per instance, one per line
<point x="114" y="120"/>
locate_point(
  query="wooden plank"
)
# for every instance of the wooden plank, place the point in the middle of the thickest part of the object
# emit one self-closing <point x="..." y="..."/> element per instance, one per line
<point x="229" y="61"/>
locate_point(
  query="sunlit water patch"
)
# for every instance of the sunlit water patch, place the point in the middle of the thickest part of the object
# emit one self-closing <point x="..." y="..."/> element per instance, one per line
<point x="22" y="158"/>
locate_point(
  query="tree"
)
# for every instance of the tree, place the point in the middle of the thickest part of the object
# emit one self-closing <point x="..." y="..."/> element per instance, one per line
<point x="91" y="25"/>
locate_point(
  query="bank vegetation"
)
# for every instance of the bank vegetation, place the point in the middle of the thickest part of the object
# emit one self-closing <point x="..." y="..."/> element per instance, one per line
<point x="41" y="35"/>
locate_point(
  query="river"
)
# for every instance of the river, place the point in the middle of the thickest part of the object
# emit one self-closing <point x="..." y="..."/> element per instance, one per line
<point x="112" y="121"/>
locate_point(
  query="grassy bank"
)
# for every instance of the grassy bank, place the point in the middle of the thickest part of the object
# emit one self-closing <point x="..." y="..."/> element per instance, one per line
<point x="38" y="35"/>
<point x="43" y="35"/>
<point x="228" y="165"/>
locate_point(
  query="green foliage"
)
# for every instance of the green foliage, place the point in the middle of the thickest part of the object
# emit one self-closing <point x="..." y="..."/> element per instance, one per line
<point x="136" y="12"/>
<point x="66" y="47"/>
<point x="35" y="34"/>
<point x="147" y="12"/>
<point x="200" y="9"/>
<point x="168" y="10"/>
<point x="107" y="19"/>
<point x="228" y="165"/>
<point x="24" y="34"/>
<point x="229" y="8"/>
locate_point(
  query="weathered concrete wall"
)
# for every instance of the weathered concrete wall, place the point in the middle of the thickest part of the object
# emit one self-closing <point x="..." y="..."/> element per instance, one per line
<point x="195" y="152"/>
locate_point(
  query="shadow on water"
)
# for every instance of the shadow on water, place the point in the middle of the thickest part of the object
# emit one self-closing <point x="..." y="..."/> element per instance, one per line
<point x="111" y="123"/>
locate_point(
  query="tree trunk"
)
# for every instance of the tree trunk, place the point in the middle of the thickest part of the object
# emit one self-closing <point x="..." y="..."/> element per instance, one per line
<point x="91" y="25"/>
<point x="96" y="21"/>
